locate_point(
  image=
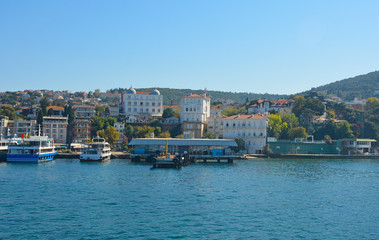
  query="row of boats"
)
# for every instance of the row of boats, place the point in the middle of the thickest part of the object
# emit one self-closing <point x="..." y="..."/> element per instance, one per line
<point x="41" y="149"/>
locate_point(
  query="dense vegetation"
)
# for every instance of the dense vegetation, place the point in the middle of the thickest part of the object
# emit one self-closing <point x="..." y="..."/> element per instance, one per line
<point x="362" y="87"/>
<point x="175" y="94"/>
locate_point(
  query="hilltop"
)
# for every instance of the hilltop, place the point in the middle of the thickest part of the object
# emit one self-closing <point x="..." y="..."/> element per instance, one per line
<point x="362" y="87"/>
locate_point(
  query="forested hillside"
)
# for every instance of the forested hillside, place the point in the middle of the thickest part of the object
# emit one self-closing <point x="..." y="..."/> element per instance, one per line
<point x="175" y="94"/>
<point x="362" y="87"/>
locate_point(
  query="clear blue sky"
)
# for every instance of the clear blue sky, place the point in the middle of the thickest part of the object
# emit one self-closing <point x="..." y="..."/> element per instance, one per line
<point x="242" y="46"/>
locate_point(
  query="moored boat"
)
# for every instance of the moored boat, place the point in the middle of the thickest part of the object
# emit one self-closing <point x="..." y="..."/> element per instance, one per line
<point x="98" y="151"/>
<point x="32" y="149"/>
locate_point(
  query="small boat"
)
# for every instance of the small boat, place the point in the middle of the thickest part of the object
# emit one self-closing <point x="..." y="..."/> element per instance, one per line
<point x="167" y="160"/>
<point x="98" y="151"/>
<point x="32" y="149"/>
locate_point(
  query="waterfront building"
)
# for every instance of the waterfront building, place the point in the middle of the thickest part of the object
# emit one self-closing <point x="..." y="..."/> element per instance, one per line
<point x="357" y="146"/>
<point x="151" y="146"/>
<point x="55" y="127"/>
<point x="251" y="128"/>
<point x="142" y="104"/>
<point x="20" y="127"/>
<point x="194" y="113"/>
<point x="304" y="146"/>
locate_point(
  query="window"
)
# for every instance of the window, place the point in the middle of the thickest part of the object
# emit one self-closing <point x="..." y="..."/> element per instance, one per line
<point x="153" y="104"/>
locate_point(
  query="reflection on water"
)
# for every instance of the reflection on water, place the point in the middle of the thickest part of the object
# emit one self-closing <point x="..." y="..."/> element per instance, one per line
<point x="261" y="198"/>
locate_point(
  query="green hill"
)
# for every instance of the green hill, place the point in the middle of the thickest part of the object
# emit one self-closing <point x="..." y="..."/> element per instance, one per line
<point x="175" y="94"/>
<point x="362" y="87"/>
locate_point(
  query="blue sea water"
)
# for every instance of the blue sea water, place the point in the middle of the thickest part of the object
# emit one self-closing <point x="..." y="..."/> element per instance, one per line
<point x="250" y="199"/>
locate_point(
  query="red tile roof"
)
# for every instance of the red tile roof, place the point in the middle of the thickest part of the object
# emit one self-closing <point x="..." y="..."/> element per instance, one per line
<point x="255" y="116"/>
<point x="147" y="93"/>
<point x="55" y="107"/>
<point x="194" y="95"/>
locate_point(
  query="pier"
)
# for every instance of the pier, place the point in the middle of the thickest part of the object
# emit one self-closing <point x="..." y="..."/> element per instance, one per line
<point x="191" y="150"/>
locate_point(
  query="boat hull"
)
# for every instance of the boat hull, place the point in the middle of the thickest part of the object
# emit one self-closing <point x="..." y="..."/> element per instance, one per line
<point x="31" y="158"/>
<point x="94" y="158"/>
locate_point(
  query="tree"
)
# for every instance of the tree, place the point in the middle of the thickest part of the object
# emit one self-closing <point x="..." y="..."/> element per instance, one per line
<point x="128" y="130"/>
<point x="175" y="131"/>
<point x="110" y="134"/>
<point x="209" y="135"/>
<point x="298" y="132"/>
<point x="275" y="126"/>
<point x="58" y="103"/>
<point x="99" y="110"/>
<point x="234" y="111"/>
<point x="240" y="145"/>
<point x="156" y="123"/>
<point x="45" y="102"/>
<point x="165" y="134"/>
<point x="97" y="93"/>
<point x="8" y="111"/>
<point x="39" y="117"/>
<point x="144" y="132"/>
<point x="344" y="131"/>
<point x="372" y="104"/>
<point x="168" y="112"/>
<point x="99" y="123"/>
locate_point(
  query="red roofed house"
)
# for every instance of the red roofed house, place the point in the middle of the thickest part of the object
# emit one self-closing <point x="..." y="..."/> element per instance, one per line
<point x="264" y="106"/>
<point x="194" y="112"/>
<point x="251" y="128"/>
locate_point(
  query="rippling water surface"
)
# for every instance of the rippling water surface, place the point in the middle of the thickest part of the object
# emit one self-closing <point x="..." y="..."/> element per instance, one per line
<point x="261" y="199"/>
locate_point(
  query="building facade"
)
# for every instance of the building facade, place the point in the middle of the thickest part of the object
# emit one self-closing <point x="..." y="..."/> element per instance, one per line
<point x="251" y="128"/>
<point x="143" y="104"/>
<point x="264" y="106"/>
<point x="82" y="130"/>
<point x="194" y="113"/>
<point x="55" y="127"/>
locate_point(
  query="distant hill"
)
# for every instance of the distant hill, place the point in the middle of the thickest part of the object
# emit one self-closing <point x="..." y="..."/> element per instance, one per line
<point x="362" y="87"/>
<point x="175" y="94"/>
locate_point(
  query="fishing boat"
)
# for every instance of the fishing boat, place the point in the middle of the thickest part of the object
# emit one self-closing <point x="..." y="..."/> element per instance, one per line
<point x="98" y="151"/>
<point x="32" y="149"/>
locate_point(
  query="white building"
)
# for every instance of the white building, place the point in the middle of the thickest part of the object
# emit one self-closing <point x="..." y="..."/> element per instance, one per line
<point x="144" y="104"/>
<point x="251" y="128"/>
<point x="56" y="128"/>
<point x="194" y="113"/>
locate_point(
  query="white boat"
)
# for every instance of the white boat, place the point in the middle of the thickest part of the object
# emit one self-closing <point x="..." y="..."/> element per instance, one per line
<point x="32" y="149"/>
<point x="4" y="143"/>
<point x="98" y="151"/>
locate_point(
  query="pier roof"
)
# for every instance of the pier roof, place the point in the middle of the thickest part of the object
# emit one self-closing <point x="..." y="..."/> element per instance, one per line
<point x="183" y="142"/>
